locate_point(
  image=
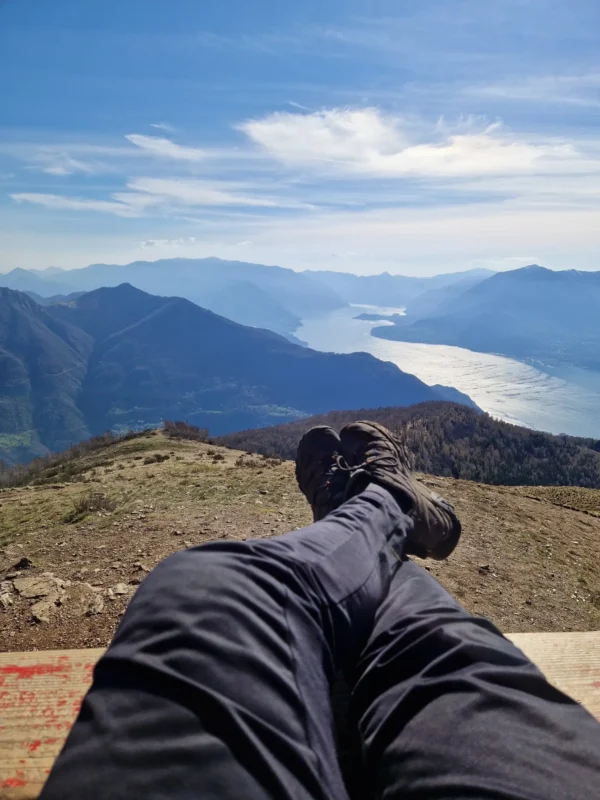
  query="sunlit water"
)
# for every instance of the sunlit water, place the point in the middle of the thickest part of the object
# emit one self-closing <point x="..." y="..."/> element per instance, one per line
<point x="565" y="400"/>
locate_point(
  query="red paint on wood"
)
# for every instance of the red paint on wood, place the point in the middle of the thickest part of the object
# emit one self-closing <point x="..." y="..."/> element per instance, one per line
<point x="22" y="672"/>
<point x="15" y="782"/>
<point x="37" y="743"/>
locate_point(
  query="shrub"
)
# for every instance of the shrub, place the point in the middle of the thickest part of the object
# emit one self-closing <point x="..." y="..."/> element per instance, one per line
<point x="158" y="458"/>
<point x="183" y="430"/>
<point x="88" y="504"/>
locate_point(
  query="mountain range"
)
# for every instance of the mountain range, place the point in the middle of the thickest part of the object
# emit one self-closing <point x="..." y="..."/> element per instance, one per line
<point x="393" y="290"/>
<point x="118" y="358"/>
<point x="251" y="294"/>
<point x="531" y="313"/>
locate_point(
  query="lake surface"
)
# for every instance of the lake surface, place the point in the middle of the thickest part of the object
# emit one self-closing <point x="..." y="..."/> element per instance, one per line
<point x="558" y="400"/>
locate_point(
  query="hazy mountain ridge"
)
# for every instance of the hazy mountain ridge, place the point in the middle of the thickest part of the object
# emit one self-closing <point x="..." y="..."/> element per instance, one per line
<point x="252" y="294"/>
<point x="119" y="358"/>
<point x="530" y="313"/>
<point x="390" y="290"/>
<point x="262" y="296"/>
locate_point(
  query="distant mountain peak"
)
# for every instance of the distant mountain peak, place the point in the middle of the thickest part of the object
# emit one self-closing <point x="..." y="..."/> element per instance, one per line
<point x="533" y="268"/>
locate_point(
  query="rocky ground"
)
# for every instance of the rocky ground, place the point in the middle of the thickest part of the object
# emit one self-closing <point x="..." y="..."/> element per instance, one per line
<point x="72" y="553"/>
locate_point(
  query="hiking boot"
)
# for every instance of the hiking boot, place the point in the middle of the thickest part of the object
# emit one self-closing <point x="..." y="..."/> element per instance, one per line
<point x="321" y="471"/>
<point x="375" y="455"/>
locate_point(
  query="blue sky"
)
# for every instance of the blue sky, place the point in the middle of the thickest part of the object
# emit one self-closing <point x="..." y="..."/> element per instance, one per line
<point x="414" y="137"/>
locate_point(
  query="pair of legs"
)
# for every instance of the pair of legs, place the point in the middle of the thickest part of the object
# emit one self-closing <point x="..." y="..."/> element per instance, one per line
<point x="217" y="684"/>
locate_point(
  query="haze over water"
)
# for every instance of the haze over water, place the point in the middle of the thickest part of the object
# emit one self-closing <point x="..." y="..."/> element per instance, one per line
<point x="565" y="400"/>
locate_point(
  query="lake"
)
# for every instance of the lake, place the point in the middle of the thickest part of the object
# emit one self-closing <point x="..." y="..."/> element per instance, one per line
<point x="558" y="400"/>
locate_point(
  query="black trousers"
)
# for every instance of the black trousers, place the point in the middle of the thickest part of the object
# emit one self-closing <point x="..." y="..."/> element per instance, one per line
<point x="217" y="683"/>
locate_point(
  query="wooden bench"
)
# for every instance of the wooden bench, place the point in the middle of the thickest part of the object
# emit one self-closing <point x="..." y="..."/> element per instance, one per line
<point x="40" y="695"/>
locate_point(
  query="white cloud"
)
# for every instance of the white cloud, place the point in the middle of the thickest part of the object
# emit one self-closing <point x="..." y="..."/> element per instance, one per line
<point x="56" y="170"/>
<point x="165" y="148"/>
<point x="575" y="90"/>
<point x="370" y="143"/>
<point x="190" y="240"/>
<point x="63" y="164"/>
<point x="159" y="196"/>
<point x="59" y="202"/>
<point x="199" y="193"/>
<point x="163" y="126"/>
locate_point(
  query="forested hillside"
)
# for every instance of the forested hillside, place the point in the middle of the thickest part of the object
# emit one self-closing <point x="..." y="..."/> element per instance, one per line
<point x="454" y="441"/>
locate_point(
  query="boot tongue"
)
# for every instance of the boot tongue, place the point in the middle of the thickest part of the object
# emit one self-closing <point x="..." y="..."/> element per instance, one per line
<point x="359" y="481"/>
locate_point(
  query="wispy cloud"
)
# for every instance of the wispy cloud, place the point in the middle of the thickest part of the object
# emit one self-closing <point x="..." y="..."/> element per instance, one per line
<point x="64" y="164"/>
<point x="199" y="193"/>
<point x="163" y="126"/>
<point x="165" y="148"/>
<point x="266" y="43"/>
<point x="190" y="240"/>
<point x="573" y="90"/>
<point x="62" y="203"/>
<point x="299" y="106"/>
<point x="163" y="197"/>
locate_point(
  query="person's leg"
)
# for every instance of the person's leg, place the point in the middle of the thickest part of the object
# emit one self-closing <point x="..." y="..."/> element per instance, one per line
<point x="449" y="708"/>
<point x="217" y="682"/>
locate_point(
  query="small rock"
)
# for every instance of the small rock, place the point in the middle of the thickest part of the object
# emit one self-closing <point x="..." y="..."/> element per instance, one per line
<point x="177" y="533"/>
<point x="528" y="602"/>
<point x="134" y="582"/>
<point x="33" y="588"/>
<point x="141" y="567"/>
<point x="263" y="491"/>
<point x="6" y="600"/>
<point x="24" y="563"/>
<point x="43" y="610"/>
<point x="484" y="569"/>
<point x="188" y="544"/>
<point x="120" y="588"/>
<point x="95" y="605"/>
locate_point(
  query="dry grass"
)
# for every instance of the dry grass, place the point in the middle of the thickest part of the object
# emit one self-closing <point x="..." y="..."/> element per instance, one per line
<point x="544" y="565"/>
